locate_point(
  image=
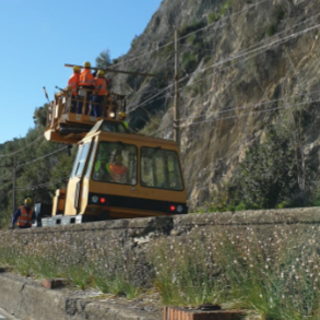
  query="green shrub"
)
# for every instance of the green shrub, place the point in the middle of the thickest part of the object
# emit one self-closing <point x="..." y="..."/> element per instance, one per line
<point x="192" y="39"/>
<point x="271" y="30"/>
<point x="134" y="41"/>
<point x="278" y="14"/>
<point x="196" y="89"/>
<point x="189" y="61"/>
<point x="153" y="124"/>
<point x="116" y="285"/>
<point x="225" y="7"/>
<point x="212" y="17"/>
<point x="240" y="207"/>
<point x="268" y="173"/>
<point x="239" y="270"/>
<point x="188" y="28"/>
<point x="283" y="204"/>
<point x="81" y="275"/>
<point x="183" y="279"/>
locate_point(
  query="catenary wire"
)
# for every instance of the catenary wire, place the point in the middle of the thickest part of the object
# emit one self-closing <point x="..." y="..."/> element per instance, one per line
<point x="5" y="177"/>
<point x="156" y="95"/>
<point x="250" y="113"/>
<point x="43" y="185"/>
<point x="255" y="105"/>
<point x="190" y="85"/>
<point x="243" y="53"/>
<point x="17" y="151"/>
<point x="42" y="157"/>
<point x="222" y="20"/>
<point x="4" y="195"/>
<point x="266" y="47"/>
<point x="189" y="34"/>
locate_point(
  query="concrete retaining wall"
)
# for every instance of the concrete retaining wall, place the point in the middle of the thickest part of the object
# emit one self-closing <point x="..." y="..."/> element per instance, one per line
<point x="128" y="244"/>
<point x="126" y="247"/>
<point x="27" y="300"/>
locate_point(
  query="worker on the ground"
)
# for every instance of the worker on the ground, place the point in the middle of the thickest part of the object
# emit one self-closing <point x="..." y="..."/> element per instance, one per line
<point x="118" y="170"/>
<point x="86" y="82"/>
<point x="73" y="85"/>
<point x="24" y="215"/>
<point x="100" y="86"/>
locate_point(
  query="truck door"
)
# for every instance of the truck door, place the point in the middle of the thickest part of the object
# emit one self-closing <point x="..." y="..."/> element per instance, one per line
<point x="73" y="197"/>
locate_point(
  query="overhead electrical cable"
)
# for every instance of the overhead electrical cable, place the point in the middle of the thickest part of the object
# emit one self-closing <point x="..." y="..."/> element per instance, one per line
<point x="222" y="20"/>
<point x="4" y="195"/>
<point x="254" y="105"/>
<point x="43" y="185"/>
<point x="42" y="157"/>
<point x="243" y="53"/>
<point x="149" y="99"/>
<point x="20" y="150"/>
<point x="264" y="47"/>
<point x="5" y="177"/>
<point x="191" y="33"/>
<point x="280" y="32"/>
<point x="228" y="59"/>
<point x="156" y="95"/>
<point x="250" y="113"/>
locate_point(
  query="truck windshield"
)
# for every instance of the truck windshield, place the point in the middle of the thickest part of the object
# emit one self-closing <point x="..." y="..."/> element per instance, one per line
<point x="115" y="162"/>
<point x="109" y="126"/>
<point x="160" y="169"/>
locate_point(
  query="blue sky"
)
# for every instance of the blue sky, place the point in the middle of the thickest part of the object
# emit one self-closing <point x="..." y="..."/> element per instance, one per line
<point x="38" y="37"/>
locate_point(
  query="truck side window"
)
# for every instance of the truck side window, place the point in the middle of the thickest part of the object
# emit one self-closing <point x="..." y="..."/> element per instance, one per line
<point x="82" y="159"/>
<point x="89" y="166"/>
<point x="115" y="162"/>
<point x="160" y="169"/>
<point x="76" y="161"/>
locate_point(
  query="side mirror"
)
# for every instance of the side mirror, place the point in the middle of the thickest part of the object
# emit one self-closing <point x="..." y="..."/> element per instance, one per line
<point x="69" y="150"/>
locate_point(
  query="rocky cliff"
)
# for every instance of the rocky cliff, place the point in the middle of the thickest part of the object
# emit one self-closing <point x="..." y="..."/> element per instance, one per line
<point x="243" y="65"/>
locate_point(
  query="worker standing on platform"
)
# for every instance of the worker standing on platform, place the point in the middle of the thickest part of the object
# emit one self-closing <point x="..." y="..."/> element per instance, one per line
<point x="73" y="85"/>
<point x="100" y="86"/>
<point x="24" y="215"/>
<point x="122" y="117"/>
<point x="86" y="82"/>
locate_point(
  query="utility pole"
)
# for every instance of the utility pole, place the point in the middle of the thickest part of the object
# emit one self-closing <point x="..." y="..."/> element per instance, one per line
<point x="14" y="182"/>
<point x="176" y="117"/>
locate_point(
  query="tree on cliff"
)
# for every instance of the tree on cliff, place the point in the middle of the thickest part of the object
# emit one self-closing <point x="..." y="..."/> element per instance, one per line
<point x="267" y="176"/>
<point x="103" y="61"/>
<point x="276" y="171"/>
<point x="37" y="164"/>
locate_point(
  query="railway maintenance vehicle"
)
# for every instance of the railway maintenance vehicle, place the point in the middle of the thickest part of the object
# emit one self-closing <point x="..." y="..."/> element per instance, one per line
<point x="116" y="173"/>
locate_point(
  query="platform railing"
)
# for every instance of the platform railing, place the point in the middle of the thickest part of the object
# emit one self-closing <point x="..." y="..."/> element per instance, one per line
<point x="66" y="104"/>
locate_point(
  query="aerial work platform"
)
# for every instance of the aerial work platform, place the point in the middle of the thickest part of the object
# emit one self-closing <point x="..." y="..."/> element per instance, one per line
<point x="70" y="118"/>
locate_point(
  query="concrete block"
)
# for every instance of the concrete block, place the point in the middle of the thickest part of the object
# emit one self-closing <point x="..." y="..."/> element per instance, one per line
<point x="53" y="283"/>
<point x="174" y="313"/>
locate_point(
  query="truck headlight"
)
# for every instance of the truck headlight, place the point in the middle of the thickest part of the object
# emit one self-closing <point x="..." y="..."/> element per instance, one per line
<point x="95" y="199"/>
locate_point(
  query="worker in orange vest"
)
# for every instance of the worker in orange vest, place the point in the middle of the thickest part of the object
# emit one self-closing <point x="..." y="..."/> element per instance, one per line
<point x="24" y="215"/>
<point x="86" y="81"/>
<point x="100" y="86"/>
<point x="118" y="171"/>
<point x="73" y="85"/>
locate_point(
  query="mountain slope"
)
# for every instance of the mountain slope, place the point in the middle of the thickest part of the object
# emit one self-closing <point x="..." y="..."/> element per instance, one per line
<point x="245" y="65"/>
